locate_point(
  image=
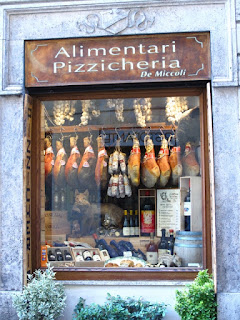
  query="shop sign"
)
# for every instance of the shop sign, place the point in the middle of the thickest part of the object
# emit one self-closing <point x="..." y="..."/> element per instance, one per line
<point x="128" y="59"/>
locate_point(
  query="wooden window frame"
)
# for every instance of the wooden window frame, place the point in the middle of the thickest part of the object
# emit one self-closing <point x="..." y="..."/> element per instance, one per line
<point x="144" y="274"/>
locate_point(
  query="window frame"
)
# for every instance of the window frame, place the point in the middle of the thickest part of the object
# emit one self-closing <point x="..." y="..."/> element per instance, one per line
<point x="144" y="274"/>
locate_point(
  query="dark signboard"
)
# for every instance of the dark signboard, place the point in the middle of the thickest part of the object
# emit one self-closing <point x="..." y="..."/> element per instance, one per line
<point x="123" y="59"/>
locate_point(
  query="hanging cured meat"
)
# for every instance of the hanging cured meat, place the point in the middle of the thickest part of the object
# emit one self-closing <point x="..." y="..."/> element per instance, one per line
<point x="190" y="164"/>
<point x="149" y="170"/>
<point x="163" y="163"/>
<point x="101" y="170"/>
<point x="134" y="162"/>
<point x="48" y="158"/>
<point x="176" y="164"/>
<point x="59" y="166"/>
<point x="87" y="165"/>
<point x="71" y="170"/>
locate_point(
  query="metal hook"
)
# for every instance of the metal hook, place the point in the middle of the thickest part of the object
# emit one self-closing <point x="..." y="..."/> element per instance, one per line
<point x="148" y="131"/>
<point x="119" y="138"/>
<point x="90" y="134"/>
<point x="75" y="130"/>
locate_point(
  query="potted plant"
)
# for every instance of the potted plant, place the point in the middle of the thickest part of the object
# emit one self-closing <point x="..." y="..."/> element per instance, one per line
<point x="117" y="308"/>
<point x="42" y="298"/>
<point x="198" y="300"/>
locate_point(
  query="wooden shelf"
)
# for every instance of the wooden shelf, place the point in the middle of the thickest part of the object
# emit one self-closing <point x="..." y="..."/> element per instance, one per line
<point x="77" y="128"/>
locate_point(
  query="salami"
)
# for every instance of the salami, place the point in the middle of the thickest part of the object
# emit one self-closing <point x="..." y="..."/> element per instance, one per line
<point x="86" y="169"/>
<point x="101" y="170"/>
<point x="71" y="170"/>
<point x="163" y="163"/>
<point x="59" y="165"/>
<point x="190" y="164"/>
<point x="134" y="162"/>
<point x="48" y="157"/>
<point x="176" y="164"/>
<point x="149" y="169"/>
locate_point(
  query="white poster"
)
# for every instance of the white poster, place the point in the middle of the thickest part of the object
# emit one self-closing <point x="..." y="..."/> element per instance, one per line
<point x="168" y="210"/>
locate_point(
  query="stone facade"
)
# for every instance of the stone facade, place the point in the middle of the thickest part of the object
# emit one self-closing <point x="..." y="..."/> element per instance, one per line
<point x="25" y="20"/>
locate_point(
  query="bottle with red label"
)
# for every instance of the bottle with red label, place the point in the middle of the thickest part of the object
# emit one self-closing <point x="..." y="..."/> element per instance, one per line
<point x="148" y="215"/>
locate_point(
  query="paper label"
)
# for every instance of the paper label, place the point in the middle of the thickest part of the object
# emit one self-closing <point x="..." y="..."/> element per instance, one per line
<point x="147" y="221"/>
<point x="86" y="164"/>
<point x="152" y="257"/>
<point x="187" y="208"/>
<point x="75" y="165"/>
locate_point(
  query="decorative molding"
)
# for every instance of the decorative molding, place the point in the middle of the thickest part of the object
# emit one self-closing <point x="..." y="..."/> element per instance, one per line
<point x="116" y="20"/>
<point x="12" y="83"/>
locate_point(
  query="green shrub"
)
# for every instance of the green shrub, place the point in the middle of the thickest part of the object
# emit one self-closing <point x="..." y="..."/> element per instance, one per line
<point x="42" y="298"/>
<point x="117" y="308"/>
<point x="198" y="301"/>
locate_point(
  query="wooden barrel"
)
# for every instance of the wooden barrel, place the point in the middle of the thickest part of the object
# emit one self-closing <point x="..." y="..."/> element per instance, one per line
<point x="188" y="246"/>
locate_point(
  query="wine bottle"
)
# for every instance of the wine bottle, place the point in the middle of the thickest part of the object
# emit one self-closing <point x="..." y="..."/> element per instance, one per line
<point x="187" y="210"/>
<point x="126" y="227"/>
<point x="171" y="242"/>
<point x="136" y="224"/>
<point x="79" y="257"/>
<point x="131" y="225"/>
<point x="98" y="245"/>
<point x="148" y="215"/>
<point x="67" y="256"/>
<point x="51" y="256"/>
<point x="117" y="247"/>
<point x="152" y="250"/>
<point x="59" y="255"/>
<point x="96" y="256"/>
<point x="163" y="244"/>
<point x="87" y="255"/>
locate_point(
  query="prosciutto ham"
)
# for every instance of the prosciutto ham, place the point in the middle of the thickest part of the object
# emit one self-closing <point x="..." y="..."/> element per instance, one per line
<point x="59" y="166"/>
<point x="163" y="163"/>
<point x="87" y="165"/>
<point x="71" y="170"/>
<point x="190" y="164"/>
<point x="149" y="170"/>
<point x="48" y="157"/>
<point x="176" y="164"/>
<point x="101" y="170"/>
<point x="134" y="162"/>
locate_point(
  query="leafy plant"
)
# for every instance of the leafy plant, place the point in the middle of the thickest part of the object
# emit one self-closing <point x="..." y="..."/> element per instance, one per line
<point x="42" y="298"/>
<point x="117" y="308"/>
<point x="197" y="301"/>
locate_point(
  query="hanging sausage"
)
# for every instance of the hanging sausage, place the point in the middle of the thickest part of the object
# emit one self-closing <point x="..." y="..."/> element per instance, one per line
<point x="118" y="186"/>
<point x="134" y="162"/>
<point x="48" y="157"/>
<point x="163" y="163"/>
<point x="71" y="170"/>
<point x="149" y="169"/>
<point x="190" y="164"/>
<point x="176" y="164"/>
<point x="59" y="166"/>
<point x="101" y="170"/>
<point x="86" y="169"/>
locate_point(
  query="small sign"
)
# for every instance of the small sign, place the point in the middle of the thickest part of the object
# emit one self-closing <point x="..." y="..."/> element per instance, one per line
<point x="168" y="210"/>
<point x="125" y="59"/>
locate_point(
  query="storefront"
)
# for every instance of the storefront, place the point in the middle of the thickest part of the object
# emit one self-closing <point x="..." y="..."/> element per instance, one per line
<point x="122" y="143"/>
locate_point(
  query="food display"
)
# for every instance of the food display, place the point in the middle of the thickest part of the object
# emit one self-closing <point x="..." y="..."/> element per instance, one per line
<point x="105" y="180"/>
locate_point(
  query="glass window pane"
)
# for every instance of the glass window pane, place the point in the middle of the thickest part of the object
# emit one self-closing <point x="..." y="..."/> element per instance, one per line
<point x="122" y="182"/>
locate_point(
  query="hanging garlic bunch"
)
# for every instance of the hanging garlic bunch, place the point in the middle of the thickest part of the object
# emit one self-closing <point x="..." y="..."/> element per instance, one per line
<point x="88" y="110"/>
<point x="175" y="107"/>
<point x="142" y="109"/>
<point x="63" y="110"/>
<point x="118" y="104"/>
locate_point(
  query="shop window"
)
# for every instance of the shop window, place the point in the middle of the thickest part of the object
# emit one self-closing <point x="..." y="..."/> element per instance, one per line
<point x="122" y="182"/>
